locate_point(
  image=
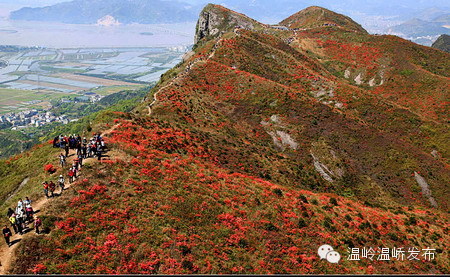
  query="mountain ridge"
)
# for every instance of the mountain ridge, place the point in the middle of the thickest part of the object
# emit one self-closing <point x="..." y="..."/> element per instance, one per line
<point x="264" y="144"/>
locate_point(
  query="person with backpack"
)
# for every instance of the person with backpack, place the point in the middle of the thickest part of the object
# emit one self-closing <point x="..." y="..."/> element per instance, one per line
<point x="12" y="220"/>
<point x="27" y="201"/>
<point x="52" y="187"/>
<point x="14" y="223"/>
<point x="20" y="222"/>
<point x="45" y="185"/>
<point x="7" y="235"/>
<point x="29" y="212"/>
<point x="62" y="160"/>
<point x="37" y="224"/>
<point x="61" y="183"/>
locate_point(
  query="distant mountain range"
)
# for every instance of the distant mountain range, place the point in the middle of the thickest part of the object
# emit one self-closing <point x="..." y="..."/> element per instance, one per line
<point x="422" y="31"/>
<point x="130" y="11"/>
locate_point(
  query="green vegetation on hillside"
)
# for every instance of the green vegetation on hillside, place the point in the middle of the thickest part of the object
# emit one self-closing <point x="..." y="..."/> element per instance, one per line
<point x="14" y="142"/>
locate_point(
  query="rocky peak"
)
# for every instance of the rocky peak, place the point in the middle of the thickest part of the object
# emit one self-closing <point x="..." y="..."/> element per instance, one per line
<point x="442" y="43"/>
<point x="216" y="20"/>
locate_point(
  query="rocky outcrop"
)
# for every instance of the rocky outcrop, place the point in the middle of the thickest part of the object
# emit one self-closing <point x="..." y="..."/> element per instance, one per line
<point x="426" y="192"/>
<point x="442" y="43"/>
<point x="216" y="20"/>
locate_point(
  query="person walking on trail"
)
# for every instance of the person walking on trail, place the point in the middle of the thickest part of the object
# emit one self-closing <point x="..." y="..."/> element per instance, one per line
<point x="52" y="187"/>
<point x="27" y="201"/>
<point x="7" y="235"/>
<point x="20" y="204"/>
<point x="80" y="160"/>
<point x="66" y="148"/>
<point x="71" y="175"/>
<point x="45" y="185"/>
<point x="75" y="164"/>
<point x="84" y="150"/>
<point x="17" y="227"/>
<point x="61" y="183"/>
<point x="62" y="160"/>
<point x="89" y="150"/>
<point x="56" y="142"/>
<point x="29" y="213"/>
<point x="10" y="212"/>
<point x="37" y="224"/>
<point x="99" y="152"/>
<point x="12" y="220"/>
<point x="20" y="221"/>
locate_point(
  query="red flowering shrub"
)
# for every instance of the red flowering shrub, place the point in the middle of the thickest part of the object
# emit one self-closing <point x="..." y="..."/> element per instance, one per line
<point x="49" y="168"/>
<point x="39" y="269"/>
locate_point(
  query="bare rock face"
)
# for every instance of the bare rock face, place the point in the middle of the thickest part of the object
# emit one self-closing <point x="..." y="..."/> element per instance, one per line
<point x="216" y="20"/>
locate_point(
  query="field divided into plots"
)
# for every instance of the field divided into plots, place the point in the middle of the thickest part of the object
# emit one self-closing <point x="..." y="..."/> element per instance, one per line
<point x="33" y="78"/>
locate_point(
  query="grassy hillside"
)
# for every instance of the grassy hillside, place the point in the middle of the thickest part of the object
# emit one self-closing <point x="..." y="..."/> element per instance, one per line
<point x="259" y="148"/>
<point x="313" y="17"/>
<point x="164" y="207"/>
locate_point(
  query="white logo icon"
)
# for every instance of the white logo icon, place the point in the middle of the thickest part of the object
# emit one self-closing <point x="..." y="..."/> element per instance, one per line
<point x="323" y="250"/>
<point x="327" y="252"/>
<point x="333" y="257"/>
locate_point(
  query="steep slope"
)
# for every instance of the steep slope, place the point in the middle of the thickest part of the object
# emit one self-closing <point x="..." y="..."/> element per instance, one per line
<point x="261" y="146"/>
<point x="166" y="208"/>
<point x="319" y="17"/>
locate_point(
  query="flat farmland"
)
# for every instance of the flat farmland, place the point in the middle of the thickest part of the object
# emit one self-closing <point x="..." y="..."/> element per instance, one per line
<point x="109" y="90"/>
<point x="51" y="85"/>
<point x="12" y="100"/>
<point x="34" y="77"/>
<point x="93" y="80"/>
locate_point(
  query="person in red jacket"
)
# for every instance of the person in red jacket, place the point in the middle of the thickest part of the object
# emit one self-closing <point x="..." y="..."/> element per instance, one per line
<point x="71" y="174"/>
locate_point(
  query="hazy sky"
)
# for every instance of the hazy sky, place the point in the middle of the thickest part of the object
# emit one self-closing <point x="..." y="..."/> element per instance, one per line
<point x="268" y="10"/>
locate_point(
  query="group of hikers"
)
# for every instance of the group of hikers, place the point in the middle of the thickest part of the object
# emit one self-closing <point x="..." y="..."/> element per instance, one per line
<point x="94" y="147"/>
<point x="23" y="215"/>
<point x="85" y="148"/>
<point x="50" y="187"/>
<point x="20" y="218"/>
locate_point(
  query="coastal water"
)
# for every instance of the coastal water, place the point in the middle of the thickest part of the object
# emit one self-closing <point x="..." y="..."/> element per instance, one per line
<point x="59" y="35"/>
